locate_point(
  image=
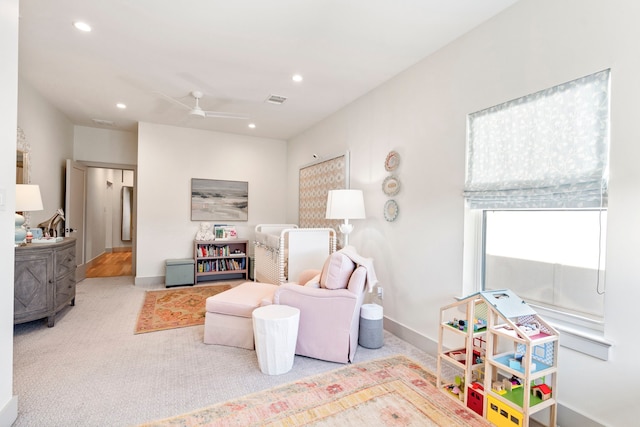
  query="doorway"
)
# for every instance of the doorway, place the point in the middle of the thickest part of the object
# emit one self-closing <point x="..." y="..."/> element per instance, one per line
<point x="109" y="237"/>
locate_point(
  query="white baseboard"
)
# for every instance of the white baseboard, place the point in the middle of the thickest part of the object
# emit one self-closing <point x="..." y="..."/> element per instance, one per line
<point x="149" y="281"/>
<point x="9" y="414"/>
<point x="566" y="417"/>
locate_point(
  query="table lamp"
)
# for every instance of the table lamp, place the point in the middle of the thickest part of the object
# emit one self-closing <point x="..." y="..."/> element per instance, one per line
<point x="27" y="199"/>
<point x="345" y="204"/>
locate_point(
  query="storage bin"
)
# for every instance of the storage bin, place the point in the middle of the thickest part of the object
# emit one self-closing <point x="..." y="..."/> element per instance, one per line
<point x="179" y="272"/>
<point x="371" y="328"/>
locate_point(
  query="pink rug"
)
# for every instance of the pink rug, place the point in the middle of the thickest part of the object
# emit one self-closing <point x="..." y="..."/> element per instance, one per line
<point x="175" y="308"/>
<point x="394" y="391"/>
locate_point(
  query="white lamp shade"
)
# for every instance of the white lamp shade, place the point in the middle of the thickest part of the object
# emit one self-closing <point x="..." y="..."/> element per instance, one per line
<point x="345" y="204"/>
<point x="28" y="198"/>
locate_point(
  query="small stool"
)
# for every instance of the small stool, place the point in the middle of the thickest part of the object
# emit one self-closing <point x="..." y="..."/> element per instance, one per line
<point x="371" y="330"/>
<point x="228" y="317"/>
<point x="179" y="272"/>
<point x="275" y="328"/>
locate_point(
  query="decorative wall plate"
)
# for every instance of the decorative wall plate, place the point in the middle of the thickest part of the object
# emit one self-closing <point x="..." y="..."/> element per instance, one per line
<point x="390" y="210"/>
<point x="392" y="162"/>
<point x="391" y="185"/>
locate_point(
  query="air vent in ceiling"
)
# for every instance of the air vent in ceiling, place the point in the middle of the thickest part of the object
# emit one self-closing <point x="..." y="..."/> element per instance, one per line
<point x="276" y="99"/>
<point x="102" y="122"/>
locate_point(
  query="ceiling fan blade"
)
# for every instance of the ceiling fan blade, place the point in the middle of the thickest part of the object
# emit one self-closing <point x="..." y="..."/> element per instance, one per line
<point x="175" y="101"/>
<point x="222" y="115"/>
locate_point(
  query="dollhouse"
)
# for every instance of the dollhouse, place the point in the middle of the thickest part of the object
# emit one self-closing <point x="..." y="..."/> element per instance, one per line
<point x="498" y="357"/>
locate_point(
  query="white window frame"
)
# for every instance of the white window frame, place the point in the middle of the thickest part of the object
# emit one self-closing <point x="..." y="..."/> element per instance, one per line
<point x="579" y="334"/>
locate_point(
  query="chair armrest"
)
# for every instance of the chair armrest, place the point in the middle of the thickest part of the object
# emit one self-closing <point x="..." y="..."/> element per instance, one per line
<point x="289" y="291"/>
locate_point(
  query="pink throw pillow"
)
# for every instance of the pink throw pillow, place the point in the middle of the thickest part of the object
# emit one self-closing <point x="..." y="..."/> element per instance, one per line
<point x="336" y="271"/>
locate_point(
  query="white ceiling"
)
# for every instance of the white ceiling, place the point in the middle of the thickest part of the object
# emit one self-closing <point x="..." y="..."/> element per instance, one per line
<point x="238" y="52"/>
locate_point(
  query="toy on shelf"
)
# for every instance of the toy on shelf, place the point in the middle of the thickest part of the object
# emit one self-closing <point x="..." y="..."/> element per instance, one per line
<point x="542" y="391"/>
<point x="461" y="324"/>
<point x="530" y="329"/>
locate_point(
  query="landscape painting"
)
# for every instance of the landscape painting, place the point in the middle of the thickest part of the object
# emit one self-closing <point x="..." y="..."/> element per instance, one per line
<point x="219" y="200"/>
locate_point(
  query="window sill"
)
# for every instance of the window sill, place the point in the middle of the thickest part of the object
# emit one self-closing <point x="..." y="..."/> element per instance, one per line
<point x="584" y="342"/>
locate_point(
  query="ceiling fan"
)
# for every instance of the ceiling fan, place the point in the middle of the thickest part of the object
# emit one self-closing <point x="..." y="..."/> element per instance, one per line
<point x="197" y="111"/>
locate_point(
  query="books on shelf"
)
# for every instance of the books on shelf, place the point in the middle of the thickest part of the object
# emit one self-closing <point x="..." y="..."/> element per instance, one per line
<point x="205" y="251"/>
<point x="218" y="265"/>
<point x="224" y="232"/>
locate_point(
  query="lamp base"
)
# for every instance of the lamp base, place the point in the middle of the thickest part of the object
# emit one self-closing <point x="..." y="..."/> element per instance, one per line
<point x="346" y="229"/>
<point x="21" y="232"/>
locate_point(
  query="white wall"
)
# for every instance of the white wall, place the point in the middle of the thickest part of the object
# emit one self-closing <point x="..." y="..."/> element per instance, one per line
<point x="8" y="123"/>
<point x="105" y="145"/>
<point x="422" y="114"/>
<point x="168" y="157"/>
<point x="99" y="207"/>
<point x="50" y="135"/>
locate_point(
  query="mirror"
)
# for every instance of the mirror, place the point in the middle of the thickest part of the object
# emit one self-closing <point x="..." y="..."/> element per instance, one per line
<point x="127" y="203"/>
<point x="23" y="166"/>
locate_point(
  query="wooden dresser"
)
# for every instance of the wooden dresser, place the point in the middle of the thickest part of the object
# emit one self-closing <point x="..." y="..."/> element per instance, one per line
<point x="44" y="280"/>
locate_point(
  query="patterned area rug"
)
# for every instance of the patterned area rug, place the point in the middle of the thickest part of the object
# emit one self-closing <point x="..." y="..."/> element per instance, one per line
<point x="393" y="391"/>
<point x="175" y="308"/>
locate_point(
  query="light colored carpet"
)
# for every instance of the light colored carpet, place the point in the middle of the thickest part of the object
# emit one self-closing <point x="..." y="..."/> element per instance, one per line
<point x="91" y="370"/>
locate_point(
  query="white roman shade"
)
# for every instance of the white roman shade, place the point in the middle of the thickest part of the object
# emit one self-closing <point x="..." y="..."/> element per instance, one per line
<point x="545" y="150"/>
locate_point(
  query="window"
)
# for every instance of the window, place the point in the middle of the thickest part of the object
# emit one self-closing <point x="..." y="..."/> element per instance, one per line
<point x="536" y="197"/>
<point x="553" y="259"/>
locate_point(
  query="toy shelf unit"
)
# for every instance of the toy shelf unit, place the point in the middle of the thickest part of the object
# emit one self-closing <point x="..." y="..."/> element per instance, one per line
<point x="462" y="350"/>
<point x="506" y="367"/>
<point x="220" y="260"/>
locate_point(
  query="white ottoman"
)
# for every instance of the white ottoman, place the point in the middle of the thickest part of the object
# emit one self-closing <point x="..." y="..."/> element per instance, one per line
<point x="275" y="329"/>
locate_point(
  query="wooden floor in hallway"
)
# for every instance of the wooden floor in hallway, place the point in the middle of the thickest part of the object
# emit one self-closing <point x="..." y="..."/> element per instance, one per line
<point x="111" y="264"/>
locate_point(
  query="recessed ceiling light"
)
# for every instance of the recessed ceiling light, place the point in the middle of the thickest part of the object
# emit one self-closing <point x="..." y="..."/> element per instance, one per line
<point x="82" y="26"/>
<point x="296" y="78"/>
<point x="121" y="106"/>
<point x="252" y="125"/>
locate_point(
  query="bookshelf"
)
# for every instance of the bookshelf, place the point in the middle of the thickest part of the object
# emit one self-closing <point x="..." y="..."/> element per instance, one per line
<point x="220" y="260"/>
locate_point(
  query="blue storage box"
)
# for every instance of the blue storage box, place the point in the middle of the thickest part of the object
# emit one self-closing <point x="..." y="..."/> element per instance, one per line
<point x="179" y="272"/>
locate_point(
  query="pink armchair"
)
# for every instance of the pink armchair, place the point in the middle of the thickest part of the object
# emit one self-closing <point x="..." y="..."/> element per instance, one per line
<point x="330" y="313"/>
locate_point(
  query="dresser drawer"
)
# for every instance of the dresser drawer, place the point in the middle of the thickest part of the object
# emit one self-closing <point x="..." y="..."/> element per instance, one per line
<point x="65" y="261"/>
<point x="65" y="290"/>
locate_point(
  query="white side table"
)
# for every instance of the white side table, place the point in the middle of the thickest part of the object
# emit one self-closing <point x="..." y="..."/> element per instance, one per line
<point x="275" y="329"/>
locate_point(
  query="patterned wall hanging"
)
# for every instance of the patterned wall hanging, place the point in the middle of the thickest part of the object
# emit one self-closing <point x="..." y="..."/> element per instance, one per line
<point x="315" y="181"/>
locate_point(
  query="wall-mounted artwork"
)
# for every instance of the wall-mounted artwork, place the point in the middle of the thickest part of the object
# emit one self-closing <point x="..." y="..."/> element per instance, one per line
<point x="315" y="181"/>
<point x="219" y="200"/>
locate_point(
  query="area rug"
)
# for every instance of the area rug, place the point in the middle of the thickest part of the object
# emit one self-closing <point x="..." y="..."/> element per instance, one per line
<point x="394" y="391"/>
<point x="175" y="308"/>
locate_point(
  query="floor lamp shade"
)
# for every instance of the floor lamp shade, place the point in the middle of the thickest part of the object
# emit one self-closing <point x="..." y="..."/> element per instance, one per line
<point x="345" y="204"/>
<point x="27" y="199"/>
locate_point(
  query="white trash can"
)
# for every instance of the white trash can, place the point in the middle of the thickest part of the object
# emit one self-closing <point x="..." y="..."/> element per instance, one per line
<point x="371" y="328"/>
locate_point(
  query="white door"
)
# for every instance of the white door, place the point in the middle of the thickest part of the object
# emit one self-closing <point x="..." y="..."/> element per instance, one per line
<point x="74" y="211"/>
